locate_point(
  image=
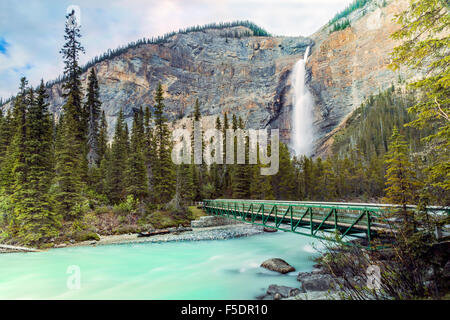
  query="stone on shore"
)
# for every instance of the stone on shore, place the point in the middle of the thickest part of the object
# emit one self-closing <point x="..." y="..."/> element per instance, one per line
<point x="283" y="291"/>
<point x="277" y="265"/>
<point x="312" y="281"/>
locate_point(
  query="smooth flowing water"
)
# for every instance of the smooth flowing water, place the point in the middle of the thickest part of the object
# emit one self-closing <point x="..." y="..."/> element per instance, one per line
<point x="302" y="118"/>
<point x="221" y="269"/>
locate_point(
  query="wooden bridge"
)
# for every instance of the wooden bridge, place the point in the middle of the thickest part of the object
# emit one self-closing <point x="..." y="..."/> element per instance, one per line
<point x="313" y="219"/>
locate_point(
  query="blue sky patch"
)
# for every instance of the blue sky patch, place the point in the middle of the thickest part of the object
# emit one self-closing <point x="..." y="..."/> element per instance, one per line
<point x="3" y="45"/>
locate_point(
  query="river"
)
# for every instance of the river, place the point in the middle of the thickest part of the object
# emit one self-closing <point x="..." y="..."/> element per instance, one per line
<point x="215" y="269"/>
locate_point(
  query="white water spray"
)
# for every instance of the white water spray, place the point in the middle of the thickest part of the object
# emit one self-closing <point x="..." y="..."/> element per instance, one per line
<point x="302" y="121"/>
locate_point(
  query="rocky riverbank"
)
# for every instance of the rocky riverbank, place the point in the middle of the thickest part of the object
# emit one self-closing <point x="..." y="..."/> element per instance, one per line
<point x="207" y="230"/>
<point x="314" y="285"/>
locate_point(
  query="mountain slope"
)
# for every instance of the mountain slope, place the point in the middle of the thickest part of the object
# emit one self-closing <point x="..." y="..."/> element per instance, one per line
<point x="350" y="65"/>
<point x="230" y="71"/>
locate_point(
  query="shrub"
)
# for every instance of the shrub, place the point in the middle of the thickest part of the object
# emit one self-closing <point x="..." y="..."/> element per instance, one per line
<point x="86" y="235"/>
<point x="128" y="206"/>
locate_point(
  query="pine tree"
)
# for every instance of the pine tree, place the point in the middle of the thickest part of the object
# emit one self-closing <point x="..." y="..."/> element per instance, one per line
<point x="4" y="135"/>
<point x="117" y="164"/>
<point x="102" y="137"/>
<point x="400" y="182"/>
<point x="241" y="172"/>
<point x="35" y="213"/>
<point x="149" y="148"/>
<point x="260" y="185"/>
<point x="217" y="169"/>
<point x="425" y="40"/>
<point x="283" y="182"/>
<point x="198" y="171"/>
<point x="226" y="187"/>
<point x="16" y="173"/>
<point x="92" y="109"/>
<point x="185" y="190"/>
<point x="137" y="183"/>
<point x="164" y="171"/>
<point x="72" y="71"/>
<point x="71" y="152"/>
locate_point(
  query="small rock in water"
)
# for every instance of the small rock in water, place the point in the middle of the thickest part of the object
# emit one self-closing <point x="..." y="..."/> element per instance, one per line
<point x="266" y="229"/>
<point x="277" y="296"/>
<point x="278" y="265"/>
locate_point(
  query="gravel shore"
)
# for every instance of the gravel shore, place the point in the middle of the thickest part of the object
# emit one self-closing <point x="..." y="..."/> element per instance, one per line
<point x="197" y="234"/>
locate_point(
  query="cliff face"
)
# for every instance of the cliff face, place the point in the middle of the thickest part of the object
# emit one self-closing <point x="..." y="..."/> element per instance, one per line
<point x="246" y="76"/>
<point x="348" y="66"/>
<point x="250" y="76"/>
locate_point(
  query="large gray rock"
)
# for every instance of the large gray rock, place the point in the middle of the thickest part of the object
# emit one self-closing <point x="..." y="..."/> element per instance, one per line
<point x="278" y="265"/>
<point x="316" y="281"/>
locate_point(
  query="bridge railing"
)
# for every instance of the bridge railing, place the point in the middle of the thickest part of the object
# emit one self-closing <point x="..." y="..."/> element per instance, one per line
<point x="309" y="218"/>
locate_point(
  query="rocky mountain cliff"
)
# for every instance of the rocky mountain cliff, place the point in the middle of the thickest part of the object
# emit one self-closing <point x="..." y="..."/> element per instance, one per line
<point x="250" y="76"/>
<point x="247" y="76"/>
<point x="350" y="65"/>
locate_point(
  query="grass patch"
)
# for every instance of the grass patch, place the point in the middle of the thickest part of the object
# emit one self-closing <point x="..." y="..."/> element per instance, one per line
<point x="163" y="219"/>
<point x="196" y="213"/>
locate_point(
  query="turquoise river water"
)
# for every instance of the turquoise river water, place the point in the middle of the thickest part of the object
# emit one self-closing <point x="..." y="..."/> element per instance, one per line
<point x="219" y="269"/>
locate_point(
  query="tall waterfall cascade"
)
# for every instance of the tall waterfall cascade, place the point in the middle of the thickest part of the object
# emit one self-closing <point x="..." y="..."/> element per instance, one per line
<point x="302" y="116"/>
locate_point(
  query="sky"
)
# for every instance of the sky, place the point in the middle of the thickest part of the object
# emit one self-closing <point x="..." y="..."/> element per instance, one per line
<point x="32" y="31"/>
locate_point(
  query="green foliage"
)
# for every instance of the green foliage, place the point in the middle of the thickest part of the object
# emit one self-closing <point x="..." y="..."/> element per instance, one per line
<point x="92" y="109"/>
<point x="116" y="162"/>
<point x="349" y="9"/>
<point x="371" y="125"/>
<point x="400" y="177"/>
<point x="71" y="148"/>
<point x="163" y="167"/>
<point x="340" y="25"/>
<point x="424" y="32"/>
<point x="136" y="174"/>
<point x="128" y="206"/>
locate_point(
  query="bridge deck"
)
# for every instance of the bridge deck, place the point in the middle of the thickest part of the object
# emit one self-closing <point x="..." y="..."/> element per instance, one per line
<point x="309" y="218"/>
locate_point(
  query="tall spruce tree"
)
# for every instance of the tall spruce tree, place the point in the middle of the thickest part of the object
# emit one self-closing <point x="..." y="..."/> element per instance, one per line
<point x="226" y="186"/>
<point x="199" y="171"/>
<point x="92" y="109"/>
<point x="137" y="181"/>
<point x="117" y="164"/>
<point x="401" y="186"/>
<point x="217" y="169"/>
<point x="164" y="171"/>
<point x="241" y="172"/>
<point x="35" y="213"/>
<point x="425" y="36"/>
<point x="16" y="173"/>
<point x="149" y="149"/>
<point x="71" y="153"/>
<point x="102" y="136"/>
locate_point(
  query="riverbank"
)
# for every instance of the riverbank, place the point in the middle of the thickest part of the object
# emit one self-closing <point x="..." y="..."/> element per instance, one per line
<point x="196" y="234"/>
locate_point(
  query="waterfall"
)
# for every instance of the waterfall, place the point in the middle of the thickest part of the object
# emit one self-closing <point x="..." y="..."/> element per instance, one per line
<point x="302" y="119"/>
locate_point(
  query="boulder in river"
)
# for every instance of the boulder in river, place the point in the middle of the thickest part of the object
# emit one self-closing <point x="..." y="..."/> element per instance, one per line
<point x="278" y="265"/>
<point x="266" y="229"/>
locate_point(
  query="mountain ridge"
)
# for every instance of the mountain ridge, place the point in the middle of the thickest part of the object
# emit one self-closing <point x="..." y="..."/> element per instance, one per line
<point x="250" y="76"/>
